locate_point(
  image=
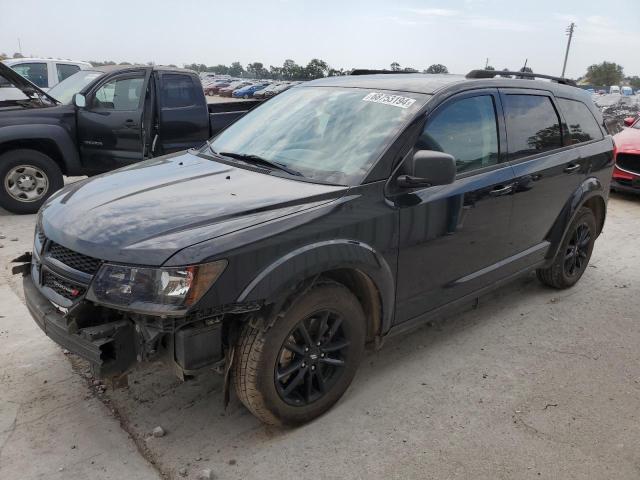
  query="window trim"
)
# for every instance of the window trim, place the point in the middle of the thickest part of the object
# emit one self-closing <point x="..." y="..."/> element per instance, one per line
<point x="539" y="93"/>
<point x="500" y="126"/>
<point x="122" y="76"/>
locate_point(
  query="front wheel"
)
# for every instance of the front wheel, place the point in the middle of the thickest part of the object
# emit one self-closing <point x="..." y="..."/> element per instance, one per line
<point x="574" y="253"/>
<point x="28" y="178"/>
<point x="300" y="367"/>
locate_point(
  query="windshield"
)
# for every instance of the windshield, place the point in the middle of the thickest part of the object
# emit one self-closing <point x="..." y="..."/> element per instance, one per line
<point x="327" y="134"/>
<point x="66" y="89"/>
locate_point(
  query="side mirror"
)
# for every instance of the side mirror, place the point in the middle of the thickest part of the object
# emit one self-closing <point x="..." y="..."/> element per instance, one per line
<point x="79" y="100"/>
<point x="629" y="121"/>
<point x="430" y="168"/>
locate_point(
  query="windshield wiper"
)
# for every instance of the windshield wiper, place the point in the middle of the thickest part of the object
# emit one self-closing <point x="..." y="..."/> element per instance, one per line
<point x="250" y="158"/>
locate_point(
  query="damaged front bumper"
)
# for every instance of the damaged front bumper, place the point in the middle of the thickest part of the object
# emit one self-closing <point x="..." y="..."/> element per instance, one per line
<point x="109" y="347"/>
<point x="113" y="344"/>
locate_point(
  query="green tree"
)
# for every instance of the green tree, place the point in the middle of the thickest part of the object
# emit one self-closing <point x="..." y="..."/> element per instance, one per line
<point x="236" y="69"/>
<point x="436" y="68"/>
<point x="605" y="73"/>
<point x="634" y="82"/>
<point x="489" y="67"/>
<point x="316" y="68"/>
<point x="3" y="56"/>
<point x="292" y="71"/>
<point x="275" y="72"/>
<point x="395" y="66"/>
<point x="219" y="69"/>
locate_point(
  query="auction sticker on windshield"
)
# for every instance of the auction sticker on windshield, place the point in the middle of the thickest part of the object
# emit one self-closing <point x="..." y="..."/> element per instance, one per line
<point x="387" y="99"/>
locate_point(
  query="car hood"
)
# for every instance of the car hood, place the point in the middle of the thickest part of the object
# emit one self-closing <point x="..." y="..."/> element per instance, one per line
<point x="25" y="86"/>
<point x="145" y="213"/>
<point x="627" y="140"/>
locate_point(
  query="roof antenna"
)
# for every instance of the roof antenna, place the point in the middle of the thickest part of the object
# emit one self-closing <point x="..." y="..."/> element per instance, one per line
<point x="523" y="69"/>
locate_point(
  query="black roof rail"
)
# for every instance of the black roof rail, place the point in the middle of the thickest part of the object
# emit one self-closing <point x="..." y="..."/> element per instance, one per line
<point x="493" y="73"/>
<point x="367" y="71"/>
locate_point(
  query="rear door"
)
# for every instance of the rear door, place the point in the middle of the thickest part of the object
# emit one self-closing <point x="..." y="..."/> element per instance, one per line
<point x="184" y="118"/>
<point x="548" y="168"/>
<point x="453" y="238"/>
<point x="110" y="126"/>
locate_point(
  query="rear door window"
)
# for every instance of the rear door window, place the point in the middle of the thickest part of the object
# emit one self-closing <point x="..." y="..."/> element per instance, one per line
<point x="533" y="125"/>
<point x="177" y="91"/>
<point x="581" y="124"/>
<point x="34" y="72"/>
<point x="65" y="70"/>
<point x="467" y="129"/>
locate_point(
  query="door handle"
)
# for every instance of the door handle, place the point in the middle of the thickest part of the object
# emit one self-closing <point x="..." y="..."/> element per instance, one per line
<point x="572" y="168"/>
<point x="501" y="190"/>
<point x="130" y="123"/>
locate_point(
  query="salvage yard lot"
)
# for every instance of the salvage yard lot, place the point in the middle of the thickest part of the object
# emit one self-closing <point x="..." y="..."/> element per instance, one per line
<point x="535" y="383"/>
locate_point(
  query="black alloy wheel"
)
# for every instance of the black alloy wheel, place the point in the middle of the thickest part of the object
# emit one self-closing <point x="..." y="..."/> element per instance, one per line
<point x="312" y="358"/>
<point x="577" y="252"/>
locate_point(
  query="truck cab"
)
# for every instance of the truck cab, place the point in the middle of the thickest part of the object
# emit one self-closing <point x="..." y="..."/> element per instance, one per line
<point x="97" y="120"/>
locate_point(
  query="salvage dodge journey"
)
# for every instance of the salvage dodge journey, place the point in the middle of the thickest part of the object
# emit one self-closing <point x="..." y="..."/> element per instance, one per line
<point x="339" y="212"/>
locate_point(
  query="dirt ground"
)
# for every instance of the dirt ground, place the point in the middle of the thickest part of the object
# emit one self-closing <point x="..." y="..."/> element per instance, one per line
<point x="535" y="383"/>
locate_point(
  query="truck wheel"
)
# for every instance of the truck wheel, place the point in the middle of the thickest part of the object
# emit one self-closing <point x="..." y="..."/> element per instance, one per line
<point x="574" y="253"/>
<point x="28" y="178"/>
<point x="303" y="364"/>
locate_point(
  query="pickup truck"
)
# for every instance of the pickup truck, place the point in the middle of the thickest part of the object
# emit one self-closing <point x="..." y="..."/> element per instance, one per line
<point x="98" y="120"/>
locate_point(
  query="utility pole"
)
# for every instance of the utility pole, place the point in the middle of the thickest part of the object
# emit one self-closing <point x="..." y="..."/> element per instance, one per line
<point x="569" y="30"/>
<point x="486" y="64"/>
<point x="19" y="46"/>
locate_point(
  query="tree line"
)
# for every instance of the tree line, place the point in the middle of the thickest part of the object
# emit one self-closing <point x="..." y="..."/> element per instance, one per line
<point x="601" y="74"/>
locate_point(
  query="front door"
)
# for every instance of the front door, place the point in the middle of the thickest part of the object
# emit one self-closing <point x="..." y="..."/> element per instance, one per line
<point x="454" y="237"/>
<point x="110" y="126"/>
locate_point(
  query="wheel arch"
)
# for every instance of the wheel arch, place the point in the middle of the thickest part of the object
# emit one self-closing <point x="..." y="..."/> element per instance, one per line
<point x="590" y="194"/>
<point x="50" y="140"/>
<point x="356" y="265"/>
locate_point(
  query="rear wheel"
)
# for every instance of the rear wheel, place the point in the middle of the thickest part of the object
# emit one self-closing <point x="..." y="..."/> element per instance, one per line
<point x="574" y="254"/>
<point x="300" y="367"/>
<point x="28" y="178"/>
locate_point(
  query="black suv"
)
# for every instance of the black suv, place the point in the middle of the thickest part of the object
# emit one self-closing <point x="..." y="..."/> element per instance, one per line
<point x="331" y="216"/>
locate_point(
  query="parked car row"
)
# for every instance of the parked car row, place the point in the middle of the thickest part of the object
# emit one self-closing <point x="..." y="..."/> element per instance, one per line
<point x="229" y="87"/>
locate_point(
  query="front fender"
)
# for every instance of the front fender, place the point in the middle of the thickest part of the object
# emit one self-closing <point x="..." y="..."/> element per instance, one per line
<point x="317" y="258"/>
<point x="591" y="188"/>
<point x="54" y="133"/>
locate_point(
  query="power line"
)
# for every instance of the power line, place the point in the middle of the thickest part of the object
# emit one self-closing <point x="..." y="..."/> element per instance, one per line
<point x="569" y="31"/>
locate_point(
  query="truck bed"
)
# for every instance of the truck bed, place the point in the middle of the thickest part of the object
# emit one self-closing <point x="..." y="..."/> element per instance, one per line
<point x="225" y="113"/>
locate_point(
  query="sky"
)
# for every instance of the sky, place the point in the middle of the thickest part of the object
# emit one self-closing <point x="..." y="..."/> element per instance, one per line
<point x="460" y="34"/>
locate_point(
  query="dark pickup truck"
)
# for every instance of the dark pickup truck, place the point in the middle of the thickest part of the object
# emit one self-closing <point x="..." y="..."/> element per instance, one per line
<point x="99" y="120"/>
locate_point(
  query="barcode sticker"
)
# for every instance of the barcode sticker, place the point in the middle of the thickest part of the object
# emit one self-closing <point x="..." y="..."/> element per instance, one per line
<point x="387" y="99"/>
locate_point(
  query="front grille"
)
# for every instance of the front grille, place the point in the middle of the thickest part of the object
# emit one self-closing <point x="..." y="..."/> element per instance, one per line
<point x="62" y="286"/>
<point x="73" y="259"/>
<point x="629" y="162"/>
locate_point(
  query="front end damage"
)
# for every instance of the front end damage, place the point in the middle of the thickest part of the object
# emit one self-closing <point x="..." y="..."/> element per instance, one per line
<point x="114" y="340"/>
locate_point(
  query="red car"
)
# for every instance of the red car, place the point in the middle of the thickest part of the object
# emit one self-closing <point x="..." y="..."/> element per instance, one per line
<point x="626" y="173"/>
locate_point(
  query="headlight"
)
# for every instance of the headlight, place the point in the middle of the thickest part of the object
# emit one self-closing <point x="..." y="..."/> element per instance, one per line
<point x="154" y="290"/>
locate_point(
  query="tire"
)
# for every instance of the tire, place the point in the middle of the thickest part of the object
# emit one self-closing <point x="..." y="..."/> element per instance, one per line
<point x="261" y="358"/>
<point x="40" y="177"/>
<point x="571" y="262"/>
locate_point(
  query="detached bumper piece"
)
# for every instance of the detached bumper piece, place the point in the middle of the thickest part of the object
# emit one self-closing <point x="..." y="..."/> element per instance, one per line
<point x="109" y="347"/>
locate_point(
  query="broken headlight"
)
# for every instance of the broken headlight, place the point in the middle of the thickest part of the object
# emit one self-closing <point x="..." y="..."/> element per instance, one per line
<point x="154" y="290"/>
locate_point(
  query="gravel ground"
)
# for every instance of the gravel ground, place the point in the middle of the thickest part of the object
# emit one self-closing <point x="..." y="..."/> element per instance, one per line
<point x="535" y="383"/>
